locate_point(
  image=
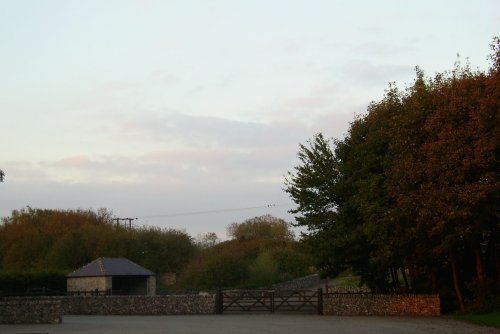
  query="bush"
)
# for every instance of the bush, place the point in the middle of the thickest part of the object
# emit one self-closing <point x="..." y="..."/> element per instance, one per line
<point x="28" y="283"/>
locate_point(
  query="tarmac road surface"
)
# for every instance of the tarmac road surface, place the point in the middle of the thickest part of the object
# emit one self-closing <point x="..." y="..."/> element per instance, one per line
<point x="243" y="324"/>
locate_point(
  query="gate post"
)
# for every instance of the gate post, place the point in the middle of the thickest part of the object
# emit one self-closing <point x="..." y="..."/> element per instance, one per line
<point x="219" y="302"/>
<point x="320" y="301"/>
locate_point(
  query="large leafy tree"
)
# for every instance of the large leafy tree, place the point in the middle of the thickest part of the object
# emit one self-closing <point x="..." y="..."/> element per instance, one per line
<point x="312" y="186"/>
<point x="412" y="188"/>
<point x="449" y="178"/>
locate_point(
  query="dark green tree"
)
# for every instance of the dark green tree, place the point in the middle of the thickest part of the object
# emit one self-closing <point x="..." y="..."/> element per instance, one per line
<point x="313" y="187"/>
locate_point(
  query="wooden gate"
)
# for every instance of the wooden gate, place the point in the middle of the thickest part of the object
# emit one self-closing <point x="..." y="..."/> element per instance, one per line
<point x="270" y="301"/>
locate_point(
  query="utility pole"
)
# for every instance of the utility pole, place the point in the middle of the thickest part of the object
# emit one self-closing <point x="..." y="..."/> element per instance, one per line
<point x="124" y="219"/>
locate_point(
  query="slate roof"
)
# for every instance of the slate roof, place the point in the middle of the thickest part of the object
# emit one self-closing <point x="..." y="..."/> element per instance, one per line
<point x="107" y="266"/>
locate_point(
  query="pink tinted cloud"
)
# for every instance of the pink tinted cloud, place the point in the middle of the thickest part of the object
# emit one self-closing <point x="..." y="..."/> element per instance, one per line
<point x="186" y="155"/>
<point x="77" y="161"/>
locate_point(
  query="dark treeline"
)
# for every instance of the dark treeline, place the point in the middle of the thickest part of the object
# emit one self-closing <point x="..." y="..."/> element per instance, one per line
<point x="409" y="198"/>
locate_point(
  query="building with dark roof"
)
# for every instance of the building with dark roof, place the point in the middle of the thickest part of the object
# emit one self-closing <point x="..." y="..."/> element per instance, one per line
<point x="117" y="276"/>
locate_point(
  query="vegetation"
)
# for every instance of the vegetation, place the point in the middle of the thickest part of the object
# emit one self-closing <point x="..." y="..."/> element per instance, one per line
<point x="36" y="242"/>
<point x="485" y="319"/>
<point x="409" y="198"/>
<point x="38" y="248"/>
<point x="262" y="252"/>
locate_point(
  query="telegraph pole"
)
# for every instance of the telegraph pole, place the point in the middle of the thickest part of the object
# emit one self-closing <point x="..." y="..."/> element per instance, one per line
<point x="124" y="219"/>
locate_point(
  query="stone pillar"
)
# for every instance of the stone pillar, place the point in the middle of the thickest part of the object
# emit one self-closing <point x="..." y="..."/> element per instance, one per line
<point x="151" y="286"/>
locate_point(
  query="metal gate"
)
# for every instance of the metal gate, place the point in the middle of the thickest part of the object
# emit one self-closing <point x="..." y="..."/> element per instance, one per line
<point x="270" y="301"/>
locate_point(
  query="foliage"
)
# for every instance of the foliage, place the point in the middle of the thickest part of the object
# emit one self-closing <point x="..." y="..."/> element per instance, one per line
<point x="412" y="188"/>
<point x="39" y="240"/>
<point x="486" y="319"/>
<point x="263" y="227"/>
<point x="262" y="252"/>
<point x="207" y="240"/>
<point x="264" y="270"/>
<point x="29" y="283"/>
<point x="2" y="175"/>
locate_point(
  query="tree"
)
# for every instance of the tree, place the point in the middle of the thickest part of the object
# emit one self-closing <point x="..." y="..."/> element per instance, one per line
<point x="63" y="240"/>
<point x="412" y="188"/>
<point x="262" y="251"/>
<point x="207" y="240"/>
<point x="2" y="175"/>
<point x="449" y="180"/>
<point x="313" y="187"/>
<point x="262" y="227"/>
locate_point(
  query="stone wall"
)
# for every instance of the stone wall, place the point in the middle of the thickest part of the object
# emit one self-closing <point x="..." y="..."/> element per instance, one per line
<point x="50" y="309"/>
<point x="30" y="311"/>
<point x="37" y="309"/>
<point x="139" y="305"/>
<point x="371" y="304"/>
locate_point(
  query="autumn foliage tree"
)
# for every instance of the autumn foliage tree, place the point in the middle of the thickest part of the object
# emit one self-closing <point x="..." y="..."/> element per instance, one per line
<point x="37" y="240"/>
<point x="411" y="193"/>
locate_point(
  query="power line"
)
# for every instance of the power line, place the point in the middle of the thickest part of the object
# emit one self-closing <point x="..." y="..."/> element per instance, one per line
<point x="194" y="213"/>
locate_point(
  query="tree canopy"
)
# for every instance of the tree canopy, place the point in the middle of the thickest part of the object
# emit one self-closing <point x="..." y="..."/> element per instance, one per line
<point x="63" y="240"/>
<point x="412" y="188"/>
<point x="262" y="227"/>
<point x="262" y="251"/>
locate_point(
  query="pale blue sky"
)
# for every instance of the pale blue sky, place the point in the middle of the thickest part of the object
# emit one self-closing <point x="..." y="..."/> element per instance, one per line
<point x="159" y="107"/>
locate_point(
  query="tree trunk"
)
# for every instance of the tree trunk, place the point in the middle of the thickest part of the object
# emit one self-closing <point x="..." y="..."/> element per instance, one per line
<point x="481" y="275"/>
<point x="407" y="286"/>
<point x="432" y="277"/>
<point x="413" y="278"/>
<point x="497" y="263"/>
<point x="458" y="292"/>
<point x="395" y="281"/>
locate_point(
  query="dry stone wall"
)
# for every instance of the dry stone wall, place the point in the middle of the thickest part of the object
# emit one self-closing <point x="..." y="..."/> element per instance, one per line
<point x="51" y="309"/>
<point x="26" y="311"/>
<point x="372" y="304"/>
<point x="140" y="305"/>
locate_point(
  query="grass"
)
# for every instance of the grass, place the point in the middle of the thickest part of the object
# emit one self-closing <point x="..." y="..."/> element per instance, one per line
<point x="487" y="319"/>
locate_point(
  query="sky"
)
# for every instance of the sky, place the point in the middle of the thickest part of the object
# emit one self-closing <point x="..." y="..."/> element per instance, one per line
<point x="189" y="114"/>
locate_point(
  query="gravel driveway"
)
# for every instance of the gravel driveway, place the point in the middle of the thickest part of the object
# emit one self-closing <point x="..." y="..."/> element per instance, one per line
<point x="242" y="324"/>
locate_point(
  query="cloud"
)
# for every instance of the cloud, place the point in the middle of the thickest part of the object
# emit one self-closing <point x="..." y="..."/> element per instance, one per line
<point x="360" y="73"/>
<point x="77" y="161"/>
<point x="178" y="130"/>
<point x="380" y="49"/>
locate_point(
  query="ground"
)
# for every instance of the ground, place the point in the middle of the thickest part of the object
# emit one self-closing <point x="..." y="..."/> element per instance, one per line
<point x="243" y="324"/>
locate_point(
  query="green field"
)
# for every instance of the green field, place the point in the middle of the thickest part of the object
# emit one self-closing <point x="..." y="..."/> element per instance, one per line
<point x="487" y="319"/>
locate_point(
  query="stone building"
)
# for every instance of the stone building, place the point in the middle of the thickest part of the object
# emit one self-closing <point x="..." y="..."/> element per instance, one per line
<point x="116" y="276"/>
